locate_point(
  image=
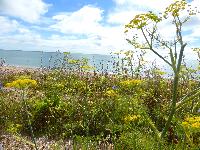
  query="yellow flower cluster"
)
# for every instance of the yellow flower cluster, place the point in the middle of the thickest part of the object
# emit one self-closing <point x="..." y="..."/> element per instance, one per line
<point x="73" y="61"/>
<point x="131" y="118"/>
<point x="192" y="124"/>
<point x="22" y="83"/>
<point x="111" y="93"/>
<point x="130" y="83"/>
<point x="87" y="67"/>
<point x="196" y="49"/>
<point x="176" y="8"/>
<point x="141" y="20"/>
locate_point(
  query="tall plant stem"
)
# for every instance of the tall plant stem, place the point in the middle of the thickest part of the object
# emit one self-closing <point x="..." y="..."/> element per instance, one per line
<point x="175" y="91"/>
<point x="29" y="121"/>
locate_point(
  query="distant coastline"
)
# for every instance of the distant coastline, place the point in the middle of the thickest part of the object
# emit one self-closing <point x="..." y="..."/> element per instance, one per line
<point x="18" y="50"/>
<point x="54" y="52"/>
<point x="38" y="59"/>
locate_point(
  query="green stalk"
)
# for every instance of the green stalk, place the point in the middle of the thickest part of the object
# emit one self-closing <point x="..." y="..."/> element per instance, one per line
<point x="175" y="91"/>
<point x="29" y="120"/>
<point x="173" y="105"/>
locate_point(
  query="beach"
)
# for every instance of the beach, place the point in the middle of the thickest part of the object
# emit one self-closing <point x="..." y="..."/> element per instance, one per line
<point x="16" y="69"/>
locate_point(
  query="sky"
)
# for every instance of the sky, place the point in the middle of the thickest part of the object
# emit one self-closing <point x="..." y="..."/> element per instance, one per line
<point x="85" y="26"/>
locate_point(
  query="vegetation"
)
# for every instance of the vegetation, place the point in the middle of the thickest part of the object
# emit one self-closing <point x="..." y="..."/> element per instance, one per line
<point x="138" y="107"/>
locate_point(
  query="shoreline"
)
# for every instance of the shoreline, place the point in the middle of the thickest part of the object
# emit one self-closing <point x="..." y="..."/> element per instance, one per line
<point x="9" y="69"/>
<point x="6" y="69"/>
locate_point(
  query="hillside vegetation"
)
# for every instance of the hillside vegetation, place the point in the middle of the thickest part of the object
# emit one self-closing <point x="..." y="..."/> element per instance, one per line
<point x="139" y="106"/>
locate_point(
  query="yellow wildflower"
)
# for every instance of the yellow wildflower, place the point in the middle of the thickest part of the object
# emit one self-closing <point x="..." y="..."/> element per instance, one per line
<point x="175" y="8"/>
<point x="73" y="61"/>
<point x="196" y="125"/>
<point x="192" y="124"/>
<point x="22" y="83"/>
<point x="131" y="118"/>
<point x="141" y="20"/>
<point x="130" y="83"/>
<point x="111" y="93"/>
<point x="185" y="124"/>
<point x="87" y="67"/>
<point x="193" y="119"/>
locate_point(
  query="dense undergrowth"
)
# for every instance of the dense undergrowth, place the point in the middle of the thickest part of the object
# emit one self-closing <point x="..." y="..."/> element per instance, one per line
<point x="92" y="108"/>
<point x="138" y="106"/>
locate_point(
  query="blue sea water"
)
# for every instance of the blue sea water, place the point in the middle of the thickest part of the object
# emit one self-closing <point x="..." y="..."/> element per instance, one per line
<point x="35" y="59"/>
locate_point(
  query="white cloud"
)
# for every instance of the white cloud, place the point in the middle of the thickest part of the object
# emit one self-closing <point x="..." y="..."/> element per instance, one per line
<point x="86" y="24"/>
<point x="11" y="26"/>
<point x="34" y="42"/>
<point x="193" y="24"/>
<point x="27" y="10"/>
<point x="156" y="5"/>
<point x="8" y="25"/>
<point x="122" y="17"/>
<point x="196" y="32"/>
<point x="84" y="21"/>
<point x="195" y="3"/>
<point x="102" y="41"/>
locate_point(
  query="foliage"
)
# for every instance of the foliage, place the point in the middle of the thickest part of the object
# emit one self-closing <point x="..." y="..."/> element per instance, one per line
<point x="134" y="108"/>
<point x="152" y="40"/>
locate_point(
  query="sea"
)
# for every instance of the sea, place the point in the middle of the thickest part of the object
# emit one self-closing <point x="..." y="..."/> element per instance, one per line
<point x="37" y="59"/>
<point x="41" y="59"/>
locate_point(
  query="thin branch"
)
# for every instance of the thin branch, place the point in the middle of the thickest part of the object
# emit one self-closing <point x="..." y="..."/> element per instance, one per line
<point x="175" y="51"/>
<point x="172" y="57"/>
<point x="150" y="47"/>
<point x="179" y="29"/>
<point x="188" y="97"/>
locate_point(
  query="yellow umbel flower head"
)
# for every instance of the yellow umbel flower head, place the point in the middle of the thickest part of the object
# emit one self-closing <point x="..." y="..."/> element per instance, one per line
<point x="131" y="118"/>
<point x="192" y="124"/>
<point x="111" y="93"/>
<point x="130" y="83"/>
<point x="22" y="83"/>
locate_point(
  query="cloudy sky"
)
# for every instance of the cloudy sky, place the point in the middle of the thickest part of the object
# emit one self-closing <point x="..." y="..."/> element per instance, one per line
<point x="86" y="26"/>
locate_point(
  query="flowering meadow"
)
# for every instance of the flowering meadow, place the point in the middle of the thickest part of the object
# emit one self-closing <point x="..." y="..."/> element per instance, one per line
<point x="95" y="110"/>
<point x="137" y="106"/>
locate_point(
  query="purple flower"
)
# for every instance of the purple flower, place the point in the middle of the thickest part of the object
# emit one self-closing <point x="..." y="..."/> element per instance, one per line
<point x="1" y="85"/>
<point x="114" y="87"/>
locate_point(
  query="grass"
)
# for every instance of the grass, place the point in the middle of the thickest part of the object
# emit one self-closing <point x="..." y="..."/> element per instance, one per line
<point x="136" y="107"/>
<point x="94" y="110"/>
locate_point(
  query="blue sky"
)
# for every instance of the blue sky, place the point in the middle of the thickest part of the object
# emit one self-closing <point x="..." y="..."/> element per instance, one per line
<point x="86" y="26"/>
